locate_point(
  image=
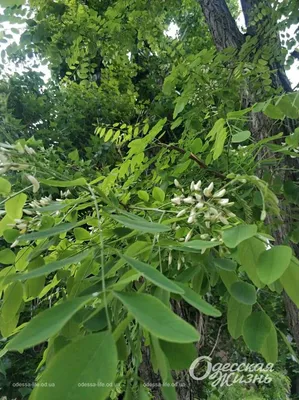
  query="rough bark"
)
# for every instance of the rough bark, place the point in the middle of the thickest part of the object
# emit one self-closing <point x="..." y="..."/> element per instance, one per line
<point x="226" y="34"/>
<point x="221" y="24"/>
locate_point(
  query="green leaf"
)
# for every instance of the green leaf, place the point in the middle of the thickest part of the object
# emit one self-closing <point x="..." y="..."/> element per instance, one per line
<point x="46" y="324"/>
<point x="273" y="263"/>
<point x="153" y="275"/>
<point x="269" y="349"/>
<point x="241" y="137"/>
<point x="179" y="355"/>
<point x="180" y="105"/>
<point x="143" y="394"/>
<point x="90" y="359"/>
<point x="7" y="256"/>
<point x="158" y="194"/>
<point x="228" y="278"/>
<point x="5" y="186"/>
<point x="81" y="234"/>
<point x="225" y="263"/>
<point x="46" y="233"/>
<point x="158" y="319"/>
<point x="256" y="329"/>
<point x="291" y="192"/>
<point x="14" y="206"/>
<point x="233" y="236"/>
<point x="143" y="195"/>
<point x="287" y="108"/>
<point x="248" y="253"/>
<point x="274" y="112"/>
<point x="10" y="235"/>
<point x="48" y="268"/>
<point x="140" y="224"/>
<point x="73" y="183"/>
<point x="219" y="143"/>
<point x="200" y="244"/>
<point x="238" y="114"/>
<point x="196" y="145"/>
<point x="243" y="292"/>
<point x="197" y="302"/>
<point x="11" y="3"/>
<point x="290" y="282"/>
<point x="12" y="299"/>
<point x="288" y="344"/>
<point x="236" y="315"/>
<point x="74" y="155"/>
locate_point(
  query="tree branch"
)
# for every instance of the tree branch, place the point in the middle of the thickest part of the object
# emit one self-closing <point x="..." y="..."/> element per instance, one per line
<point x="197" y="160"/>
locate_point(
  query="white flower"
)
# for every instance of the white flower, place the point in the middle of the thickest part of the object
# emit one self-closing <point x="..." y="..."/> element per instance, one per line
<point x="197" y="186"/>
<point x="204" y="236"/>
<point x="27" y="212"/>
<point x="220" y="193"/>
<point x="34" y="204"/>
<point x="15" y="243"/>
<point x="263" y="215"/>
<point x="198" y="196"/>
<point x="34" y="182"/>
<point x="188" y="236"/>
<point x="223" y="220"/>
<point x="176" y="200"/>
<point x="181" y="213"/>
<point x="22" y="226"/>
<point x="189" y="200"/>
<point x="200" y="204"/>
<point x="223" y="202"/>
<point x="207" y="215"/>
<point x="179" y="264"/>
<point x="208" y="190"/>
<point x="29" y="150"/>
<point x="169" y="258"/>
<point x="177" y="183"/>
<point x="230" y="214"/>
<point x="191" y="219"/>
<point x="213" y="211"/>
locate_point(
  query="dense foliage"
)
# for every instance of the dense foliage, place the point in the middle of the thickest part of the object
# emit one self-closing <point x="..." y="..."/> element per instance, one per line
<point x="148" y="200"/>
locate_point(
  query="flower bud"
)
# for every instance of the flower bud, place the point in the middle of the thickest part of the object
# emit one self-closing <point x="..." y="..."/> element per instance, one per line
<point x="189" y="200"/>
<point x="197" y="186"/>
<point x="181" y="213"/>
<point x="188" y="236"/>
<point x="176" y="201"/>
<point x="223" y="202"/>
<point x="263" y="215"/>
<point x="34" y="182"/>
<point x="220" y="193"/>
<point x="177" y="183"/>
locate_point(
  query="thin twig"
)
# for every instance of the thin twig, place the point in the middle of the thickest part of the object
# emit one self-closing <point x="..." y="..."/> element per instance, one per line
<point x="193" y="157"/>
<point x="217" y="339"/>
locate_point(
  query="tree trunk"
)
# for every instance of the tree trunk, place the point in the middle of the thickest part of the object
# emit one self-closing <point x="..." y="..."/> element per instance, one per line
<point x="226" y="34"/>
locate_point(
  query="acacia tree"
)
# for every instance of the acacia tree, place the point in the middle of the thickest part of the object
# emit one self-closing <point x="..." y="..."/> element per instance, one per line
<point x="118" y="274"/>
<point x="263" y="32"/>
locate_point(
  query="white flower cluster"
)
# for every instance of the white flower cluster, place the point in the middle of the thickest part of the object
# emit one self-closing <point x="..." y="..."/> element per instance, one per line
<point x="44" y="201"/>
<point x="295" y="150"/>
<point x="210" y="207"/>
